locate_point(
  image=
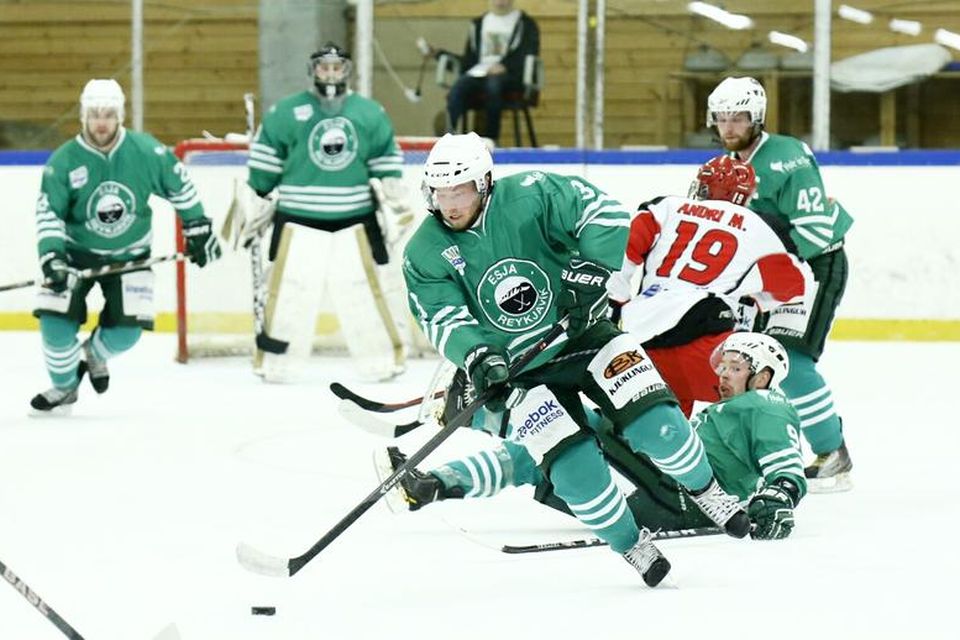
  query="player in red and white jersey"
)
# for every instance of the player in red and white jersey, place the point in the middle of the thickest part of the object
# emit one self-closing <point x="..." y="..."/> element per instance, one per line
<point x="698" y="257"/>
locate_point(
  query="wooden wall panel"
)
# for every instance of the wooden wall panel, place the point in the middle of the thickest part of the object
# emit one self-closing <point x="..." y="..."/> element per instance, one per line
<point x="199" y="60"/>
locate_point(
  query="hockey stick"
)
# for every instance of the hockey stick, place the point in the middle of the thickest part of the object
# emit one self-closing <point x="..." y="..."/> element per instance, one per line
<point x="106" y="270"/>
<point x="259" y="562"/>
<point x="374" y="405"/>
<point x="38" y="603"/>
<point x="371" y="423"/>
<point x="597" y="542"/>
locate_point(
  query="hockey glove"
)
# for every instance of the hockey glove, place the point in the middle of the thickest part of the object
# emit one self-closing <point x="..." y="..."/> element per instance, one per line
<point x="458" y="395"/>
<point x="486" y="365"/>
<point x="202" y="245"/>
<point x="771" y="511"/>
<point x="393" y="208"/>
<point x="58" y="276"/>
<point x="584" y="296"/>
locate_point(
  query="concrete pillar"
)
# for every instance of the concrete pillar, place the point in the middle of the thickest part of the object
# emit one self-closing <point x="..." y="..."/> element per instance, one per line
<point x="289" y="31"/>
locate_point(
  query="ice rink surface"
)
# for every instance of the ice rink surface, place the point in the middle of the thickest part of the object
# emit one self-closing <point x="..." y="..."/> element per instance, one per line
<point x="125" y="515"/>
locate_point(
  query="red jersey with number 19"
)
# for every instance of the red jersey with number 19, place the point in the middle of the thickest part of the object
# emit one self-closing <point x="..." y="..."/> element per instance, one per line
<point x="690" y="249"/>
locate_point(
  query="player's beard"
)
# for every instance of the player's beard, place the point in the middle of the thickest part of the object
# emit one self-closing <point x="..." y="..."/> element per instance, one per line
<point x="738" y="143"/>
<point x="104" y="139"/>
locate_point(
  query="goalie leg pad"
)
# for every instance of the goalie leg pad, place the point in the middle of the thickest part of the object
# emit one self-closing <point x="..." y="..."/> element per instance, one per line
<point x="357" y="295"/>
<point x="293" y="299"/>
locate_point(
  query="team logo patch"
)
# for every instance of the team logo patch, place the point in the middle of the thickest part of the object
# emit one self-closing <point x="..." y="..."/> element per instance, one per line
<point x="110" y="209"/>
<point x="302" y="113"/>
<point x="78" y="177"/>
<point x="621" y="362"/>
<point x="452" y="254"/>
<point x="515" y="295"/>
<point x="333" y="143"/>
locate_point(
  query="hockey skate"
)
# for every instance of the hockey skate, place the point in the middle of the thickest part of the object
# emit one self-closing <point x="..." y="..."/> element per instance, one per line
<point x="646" y="558"/>
<point x="415" y="488"/>
<point x="830" y="472"/>
<point x="55" y="400"/>
<point x="95" y="368"/>
<point x="723" y="508"/>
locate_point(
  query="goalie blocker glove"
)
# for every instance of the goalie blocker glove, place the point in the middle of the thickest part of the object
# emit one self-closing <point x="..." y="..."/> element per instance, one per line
<point x="202" y="245"/>
<point x="771" y="510"/>
<point x="584" y="296"/>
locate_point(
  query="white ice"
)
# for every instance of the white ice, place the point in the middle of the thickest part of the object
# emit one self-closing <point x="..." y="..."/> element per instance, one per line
<point x="124" y="518"/>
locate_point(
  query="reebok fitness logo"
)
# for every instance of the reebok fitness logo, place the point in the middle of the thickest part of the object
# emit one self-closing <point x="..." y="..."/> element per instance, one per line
<point x="110" y="209"/>
<point x="538" y="419"/>
<point x="515" y="295"/>
<point x="333" y="143"/>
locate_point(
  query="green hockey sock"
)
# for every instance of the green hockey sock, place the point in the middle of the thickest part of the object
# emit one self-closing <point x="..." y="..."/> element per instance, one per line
<point x="811" y="397"/>
<point x="61" y="349"/>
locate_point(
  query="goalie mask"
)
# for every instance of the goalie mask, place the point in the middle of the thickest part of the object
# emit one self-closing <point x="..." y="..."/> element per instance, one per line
<point x="759" y="351"/>
<point x="724" y="178"/>
<point x="330" y="69"/>
<point x="735" y="95"/>
<point x="457" y="160"/>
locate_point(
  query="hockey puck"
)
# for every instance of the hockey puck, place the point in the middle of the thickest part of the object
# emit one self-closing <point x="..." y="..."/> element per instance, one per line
<point x="263" y="611"/>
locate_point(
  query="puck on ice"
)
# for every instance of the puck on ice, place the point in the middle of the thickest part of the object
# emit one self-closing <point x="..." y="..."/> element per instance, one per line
<point x="263" y="611"/>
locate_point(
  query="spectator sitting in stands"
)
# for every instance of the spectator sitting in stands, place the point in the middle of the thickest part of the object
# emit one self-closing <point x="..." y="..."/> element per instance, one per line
<point x="497" y="45"/>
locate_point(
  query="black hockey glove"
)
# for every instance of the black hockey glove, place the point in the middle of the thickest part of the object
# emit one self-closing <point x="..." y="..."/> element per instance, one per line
<point x="584" y="295"/>
<point x="58" y="276"/>
<point x="202" y="245"/>
<point x="458" y="395"/>
<point x="486" y="364"/>
<point x="771" y="510"/>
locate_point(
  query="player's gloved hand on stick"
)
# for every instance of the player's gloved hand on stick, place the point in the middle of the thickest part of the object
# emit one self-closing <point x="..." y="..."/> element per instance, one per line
<point x="771" y="511"/>
<point x="58" y="275"/>
<point x="202" y="245"/>
<point x="583" y="298"/>
<point x="486" y="364"/>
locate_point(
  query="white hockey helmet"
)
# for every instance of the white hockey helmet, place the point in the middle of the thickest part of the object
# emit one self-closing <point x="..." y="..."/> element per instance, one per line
<point x="102" y="94"/>
<point x="456" y="159"/>
<point x="734" y="95"/>
<point x="760" y="350"/>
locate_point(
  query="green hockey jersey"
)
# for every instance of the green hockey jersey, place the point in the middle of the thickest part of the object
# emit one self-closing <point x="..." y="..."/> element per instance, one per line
<point x="93" y="205"/>
<point x="751" y="440"/>
<point x="321" y="162"/>
<point x="498" y="282"/>
<point x="789" y="186"/>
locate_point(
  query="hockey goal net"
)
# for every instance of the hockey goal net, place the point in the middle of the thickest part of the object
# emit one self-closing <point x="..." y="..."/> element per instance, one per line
<point x="214" y="306"/>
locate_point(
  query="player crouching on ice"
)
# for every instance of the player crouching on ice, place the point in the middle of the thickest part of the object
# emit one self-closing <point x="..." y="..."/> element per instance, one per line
<point x="93" y="212"/>
<point x="751" y="438"/>
<point x="497" y="265"/>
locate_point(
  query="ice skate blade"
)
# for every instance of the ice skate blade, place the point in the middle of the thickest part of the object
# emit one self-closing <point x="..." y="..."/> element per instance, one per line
<point x="393" y="499"/>
<point x="833" y="484"/>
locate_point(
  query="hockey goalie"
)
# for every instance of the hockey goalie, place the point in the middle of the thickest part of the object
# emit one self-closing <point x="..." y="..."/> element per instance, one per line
<point x="324" y="170"/>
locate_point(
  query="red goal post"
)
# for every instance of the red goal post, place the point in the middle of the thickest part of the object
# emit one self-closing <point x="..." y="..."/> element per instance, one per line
<point x="213" y="164"/>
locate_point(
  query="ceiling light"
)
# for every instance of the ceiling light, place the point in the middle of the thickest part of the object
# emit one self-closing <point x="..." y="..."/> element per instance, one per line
<point x="787" y="40"/>
<point x="727" y="19"/>
<point x="909" y="27"/>
<point x="853" y="14"/>
<point x="947" y="38"/>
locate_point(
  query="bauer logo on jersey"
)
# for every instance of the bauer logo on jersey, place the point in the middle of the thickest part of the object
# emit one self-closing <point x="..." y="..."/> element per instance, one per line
<point x="333" y="143"/>
<point x="110" y="209"/>
<point x="515" y="295"/>
<point x="452" y="254"/>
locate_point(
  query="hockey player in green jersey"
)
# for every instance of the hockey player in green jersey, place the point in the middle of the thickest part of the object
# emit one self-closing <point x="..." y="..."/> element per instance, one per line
<point x="320" y="149"/>
<point x="495" y="266"/>
<point x="93" y="211"/>
<point x="751" y="437"/>
<point x="791" y="195"/>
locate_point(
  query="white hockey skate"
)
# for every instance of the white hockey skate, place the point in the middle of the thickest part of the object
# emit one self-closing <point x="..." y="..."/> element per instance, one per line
<point x="724" y="509"/>
<point x="830" y="472"/>
<point x="647" y="559"/>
